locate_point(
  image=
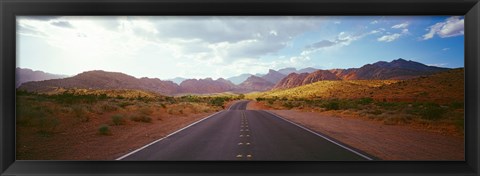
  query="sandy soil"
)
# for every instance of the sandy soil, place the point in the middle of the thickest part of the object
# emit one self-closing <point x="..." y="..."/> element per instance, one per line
<point x="387" y="142"/>
<point x="84" y="143"/>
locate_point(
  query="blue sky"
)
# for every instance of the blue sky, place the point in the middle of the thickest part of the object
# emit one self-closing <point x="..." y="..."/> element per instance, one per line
<point x="198" y="47"/>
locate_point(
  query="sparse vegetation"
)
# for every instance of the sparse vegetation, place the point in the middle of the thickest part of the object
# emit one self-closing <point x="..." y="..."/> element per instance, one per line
<point x="118" y="119"/>
<point x="141" y="118"/>
<point x="104" y="130"/>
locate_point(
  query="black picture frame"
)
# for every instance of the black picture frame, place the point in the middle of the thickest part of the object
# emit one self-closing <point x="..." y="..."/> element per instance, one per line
<point x="11" y="8"/>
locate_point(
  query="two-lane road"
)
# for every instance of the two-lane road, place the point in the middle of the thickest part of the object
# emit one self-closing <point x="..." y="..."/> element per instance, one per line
<point x="239" y="134"/>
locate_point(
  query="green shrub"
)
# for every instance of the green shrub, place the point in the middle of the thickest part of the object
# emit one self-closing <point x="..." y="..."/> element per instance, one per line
<point x="104" y="130"/>
<point x="431" y="111"/>
<point x="141" y="118"/>
<point x="332" y="105"/>
<point x="125" y="104"/>
<point x="118" y="120"/>
<point x="365" y="101"/>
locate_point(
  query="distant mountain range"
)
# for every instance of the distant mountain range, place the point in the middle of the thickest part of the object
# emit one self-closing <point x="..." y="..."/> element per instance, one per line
<point x="397" y="69"/>
<point x="26" y="75"/>
<point x="281" y="79"/>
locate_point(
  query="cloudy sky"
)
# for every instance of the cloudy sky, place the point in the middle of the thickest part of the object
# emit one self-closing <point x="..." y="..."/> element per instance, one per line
<point x="198" y="47"/>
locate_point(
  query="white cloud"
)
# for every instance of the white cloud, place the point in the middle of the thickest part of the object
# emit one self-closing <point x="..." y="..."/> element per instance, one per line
<point x="392" y="37"/>
<point x="451" y="27"/>
<point x="374" y="22"/>
<point x="445" y="49"/>
<point x="389" y="38"/>
<point x="212" y="42"/>
<point x="401" y="25"/>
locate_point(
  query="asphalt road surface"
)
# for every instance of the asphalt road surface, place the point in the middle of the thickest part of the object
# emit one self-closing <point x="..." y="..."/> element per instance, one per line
<point x="239" y="134"/>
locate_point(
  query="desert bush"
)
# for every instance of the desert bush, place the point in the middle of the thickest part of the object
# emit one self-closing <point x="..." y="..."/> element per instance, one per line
<point x="332" y="105"/>
<point x="80" y="113"/>
<point x="218" y="101"/>
<point x="457" y="105"/>
<point x="124" y="104"/>
<point x="431" y="111"/>
<point x="141" y="118"/>
<point x="47" y="124"/>
<point x="163" y="105"/>
<point x="365" y="101"/>
<point x="104" y="129"/>
<point x="108" y="107"/>
<point x="118" y="120"/>
<point x="145" y="110"/>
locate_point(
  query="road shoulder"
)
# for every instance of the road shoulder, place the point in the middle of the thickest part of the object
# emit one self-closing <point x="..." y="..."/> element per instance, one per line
<point x="387" y="142"/>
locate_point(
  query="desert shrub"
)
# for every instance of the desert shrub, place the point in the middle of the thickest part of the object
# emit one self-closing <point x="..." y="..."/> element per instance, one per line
<point x="428" y="111"/>
<point x="259" y="99"/>
<point x="457" y="105"/>
<point x="270" y="101"/>
<point x="431" y="111"/>
<point x="118" y="120"/>
<point x="375" y="112"/>
<point x="125" y="104"/>
<point x="141" y="118"/>
<point x="218" y="101"/>
<point x="108" y="107"/>
<point x="26" y="113"/>
<point x="145" y="110"/>
<point x="365" y="101"/>
<point x="104" y="130"/>
<point x="47" y="124"/>
<point x="80" y="113"/>
<point x="241" y="96"/>
<point x="332" y="105"/>
<point x="163" y="105"/>
<point x="70" y="98"/>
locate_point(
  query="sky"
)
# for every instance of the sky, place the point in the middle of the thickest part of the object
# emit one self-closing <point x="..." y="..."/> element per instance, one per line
<point x="166" y="47"/>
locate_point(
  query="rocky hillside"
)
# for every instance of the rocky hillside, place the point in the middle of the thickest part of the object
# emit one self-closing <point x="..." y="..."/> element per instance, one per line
<point x="399" y="69"/>
<point x="205" y="86"/>
<point x="273" y="76"/>
<point x="254" y="83"/>
<point x="103" y="80"/>
<point x="23" y="75"/>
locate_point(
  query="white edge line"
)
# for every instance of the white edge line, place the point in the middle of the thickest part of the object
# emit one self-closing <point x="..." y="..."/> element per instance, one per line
<point x="345" y="147"/>
<point x="141" y="148"/>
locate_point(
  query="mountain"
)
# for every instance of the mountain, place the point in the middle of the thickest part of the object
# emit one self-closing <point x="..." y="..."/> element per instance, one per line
<point x="254" y="83"/>
<point x="399" y="69"/>
<point x="273" y="76"/>
<point x="26" y="75"/>
<point x="177" y="80"/>
<point x="292" y="80"/>
<point x="444" y="87"/>
<point x="239" y="79"/>
<point x="295" y="79"/>
<point x="307" y="70"/>
<point x="104" y="80"/>
<point x="319" y="75"/>
<point x="287" y="71"/>
<point x="205" y="86"/>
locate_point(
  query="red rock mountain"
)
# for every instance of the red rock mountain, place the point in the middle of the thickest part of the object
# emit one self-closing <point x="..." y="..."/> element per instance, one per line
<point x="23" y="75"/>
<point x="254" y="83"/>
<point x="397" y="69"/>
<point x="273" y="76"/>
<point x="104" y="80"/>
<point x="294" y="79"/>
<point x="205" y="86"/>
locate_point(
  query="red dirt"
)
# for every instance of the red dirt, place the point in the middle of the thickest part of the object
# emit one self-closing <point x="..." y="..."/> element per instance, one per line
<point x="387" y="142"/>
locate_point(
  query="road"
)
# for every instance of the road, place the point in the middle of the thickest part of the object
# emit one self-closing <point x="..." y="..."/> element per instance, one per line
<point x="239" y="134"/>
